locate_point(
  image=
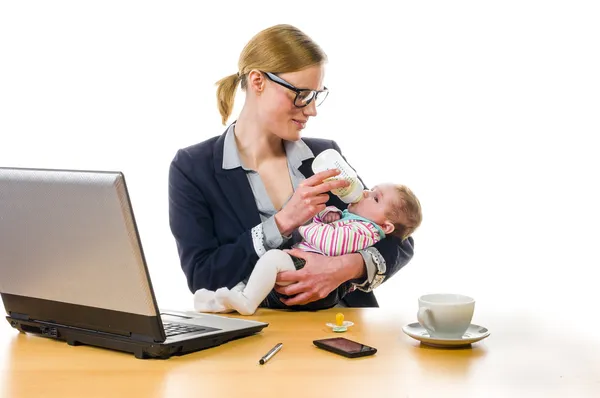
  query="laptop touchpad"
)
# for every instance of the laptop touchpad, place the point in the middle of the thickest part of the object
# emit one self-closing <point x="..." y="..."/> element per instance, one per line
<point x="172" y="317"/>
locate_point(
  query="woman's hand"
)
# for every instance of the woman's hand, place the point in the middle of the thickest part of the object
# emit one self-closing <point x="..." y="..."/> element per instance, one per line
<point x="319" y="276"/>
<point x="308" y="200"/>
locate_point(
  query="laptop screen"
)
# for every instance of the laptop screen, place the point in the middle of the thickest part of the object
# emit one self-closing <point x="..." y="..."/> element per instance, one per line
<point x="70" y="251"/>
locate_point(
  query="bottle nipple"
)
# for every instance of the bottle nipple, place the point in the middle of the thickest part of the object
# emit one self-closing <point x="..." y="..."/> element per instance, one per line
<point x="361" y="197"/>
<point x="354" y="193"/>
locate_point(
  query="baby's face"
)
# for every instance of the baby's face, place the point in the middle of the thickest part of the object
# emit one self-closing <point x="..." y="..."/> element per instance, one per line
<point x="375" y="204"/>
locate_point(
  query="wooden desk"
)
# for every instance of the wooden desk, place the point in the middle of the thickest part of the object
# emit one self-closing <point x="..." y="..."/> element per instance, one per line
<point x="521" y="358"/>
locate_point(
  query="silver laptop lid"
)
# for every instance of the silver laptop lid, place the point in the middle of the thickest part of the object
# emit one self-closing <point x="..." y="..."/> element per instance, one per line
<point x="70" y="237"/>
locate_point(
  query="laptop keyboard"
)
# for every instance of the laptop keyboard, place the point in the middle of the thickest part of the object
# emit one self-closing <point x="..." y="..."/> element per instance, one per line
<point x="173" y="329"/>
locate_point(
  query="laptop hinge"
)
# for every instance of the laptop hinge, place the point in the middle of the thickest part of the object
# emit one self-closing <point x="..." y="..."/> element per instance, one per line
<point x="21" y="317"/>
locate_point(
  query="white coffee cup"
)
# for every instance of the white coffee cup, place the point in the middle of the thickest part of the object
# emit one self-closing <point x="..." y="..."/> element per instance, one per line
<point x="446" y="316"/>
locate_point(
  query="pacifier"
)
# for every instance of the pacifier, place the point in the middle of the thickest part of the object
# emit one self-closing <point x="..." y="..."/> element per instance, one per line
<point x="340" y="324"/>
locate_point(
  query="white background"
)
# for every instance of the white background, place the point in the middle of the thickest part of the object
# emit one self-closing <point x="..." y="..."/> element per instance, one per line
<point x="489" y="111"/>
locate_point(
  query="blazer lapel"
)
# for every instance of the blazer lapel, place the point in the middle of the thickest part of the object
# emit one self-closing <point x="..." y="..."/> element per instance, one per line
<point x="306" y="168"/>
<point x="238" y="193"/>
<point x="236" y="188"/>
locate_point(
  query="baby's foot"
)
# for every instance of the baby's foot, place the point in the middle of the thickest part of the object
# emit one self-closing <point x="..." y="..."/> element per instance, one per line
<point x="236" y="300"/>
<point x="206" y="301"/>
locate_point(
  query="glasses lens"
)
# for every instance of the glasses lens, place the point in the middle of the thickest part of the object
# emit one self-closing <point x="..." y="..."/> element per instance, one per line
<point x="321" y="95"/>
<point x="304" y="98"/>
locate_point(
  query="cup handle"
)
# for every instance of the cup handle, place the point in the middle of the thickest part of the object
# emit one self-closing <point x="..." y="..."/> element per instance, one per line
<point x="424" y="316"/>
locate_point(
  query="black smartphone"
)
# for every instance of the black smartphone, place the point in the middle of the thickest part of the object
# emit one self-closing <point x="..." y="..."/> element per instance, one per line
<point x="345" y="347"/>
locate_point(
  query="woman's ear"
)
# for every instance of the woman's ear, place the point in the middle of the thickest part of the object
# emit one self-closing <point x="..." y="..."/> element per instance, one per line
<point x="256" y="81"/>
<point x="388" y="227"/>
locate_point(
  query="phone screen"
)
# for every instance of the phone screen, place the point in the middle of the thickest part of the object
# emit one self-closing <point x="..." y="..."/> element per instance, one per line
<point x="346" y="345"/>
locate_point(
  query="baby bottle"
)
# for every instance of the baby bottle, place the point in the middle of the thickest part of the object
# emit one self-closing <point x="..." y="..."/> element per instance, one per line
<point x="331" y="159"/>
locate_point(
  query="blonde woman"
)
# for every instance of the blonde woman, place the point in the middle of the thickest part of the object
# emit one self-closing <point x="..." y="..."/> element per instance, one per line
<point x="237" y="195"/>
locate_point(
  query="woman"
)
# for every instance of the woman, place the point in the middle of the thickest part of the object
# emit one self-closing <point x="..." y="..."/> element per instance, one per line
<point x="237" y="195"/>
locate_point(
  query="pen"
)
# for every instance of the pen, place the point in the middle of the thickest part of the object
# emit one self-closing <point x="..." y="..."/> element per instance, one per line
<point x="270" y="354"/>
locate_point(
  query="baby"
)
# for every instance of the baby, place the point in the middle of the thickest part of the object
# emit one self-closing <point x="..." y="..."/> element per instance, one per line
<point x="387" y="209"/>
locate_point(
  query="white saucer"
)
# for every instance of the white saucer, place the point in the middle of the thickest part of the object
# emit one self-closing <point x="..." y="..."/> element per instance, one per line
<point x="473" y="334"/>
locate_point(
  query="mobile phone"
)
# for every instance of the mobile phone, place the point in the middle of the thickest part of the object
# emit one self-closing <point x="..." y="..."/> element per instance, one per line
<point x="345" y="347"/>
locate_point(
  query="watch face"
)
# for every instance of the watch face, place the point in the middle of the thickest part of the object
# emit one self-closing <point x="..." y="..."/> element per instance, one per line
<point x="378" y="280"/>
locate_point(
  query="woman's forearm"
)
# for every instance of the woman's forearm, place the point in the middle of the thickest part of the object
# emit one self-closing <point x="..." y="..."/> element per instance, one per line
<point x="353" y="266"/>
<point x="285" y="227"/>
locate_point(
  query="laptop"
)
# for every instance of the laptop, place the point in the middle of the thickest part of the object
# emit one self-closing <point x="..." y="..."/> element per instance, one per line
<point x="72" y="268"/>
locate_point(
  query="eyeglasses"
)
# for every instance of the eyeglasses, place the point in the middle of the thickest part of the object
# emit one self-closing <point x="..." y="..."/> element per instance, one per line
<point x="303" y="96"/>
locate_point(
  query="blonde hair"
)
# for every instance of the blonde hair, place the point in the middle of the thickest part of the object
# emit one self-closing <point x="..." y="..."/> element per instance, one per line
<point x="408" y="205"/>
<point x="278" y="49"/>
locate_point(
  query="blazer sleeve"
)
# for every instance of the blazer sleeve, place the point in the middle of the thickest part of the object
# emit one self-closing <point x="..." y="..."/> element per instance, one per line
<point x="206" y="262"/>
<point x="384" y="258"/>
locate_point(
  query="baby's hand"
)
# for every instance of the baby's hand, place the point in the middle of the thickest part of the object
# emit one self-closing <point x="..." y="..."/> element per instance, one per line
<point x="331" y="217"/>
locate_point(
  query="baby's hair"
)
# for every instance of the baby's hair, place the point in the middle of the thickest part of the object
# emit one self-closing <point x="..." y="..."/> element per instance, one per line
<point x="408" y="205"/>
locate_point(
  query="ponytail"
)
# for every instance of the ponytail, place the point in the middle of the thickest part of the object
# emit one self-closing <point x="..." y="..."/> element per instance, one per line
<point x="226" y="95"/>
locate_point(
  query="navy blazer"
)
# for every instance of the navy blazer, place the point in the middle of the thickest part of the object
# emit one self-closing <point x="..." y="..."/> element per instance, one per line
<point x="212" y="212"/>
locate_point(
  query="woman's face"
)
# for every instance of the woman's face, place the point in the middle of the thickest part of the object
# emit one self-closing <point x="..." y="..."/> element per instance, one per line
<point x="276" y="103"/>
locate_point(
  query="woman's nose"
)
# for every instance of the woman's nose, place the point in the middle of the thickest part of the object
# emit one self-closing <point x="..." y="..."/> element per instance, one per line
<point x="310" y="109"/>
